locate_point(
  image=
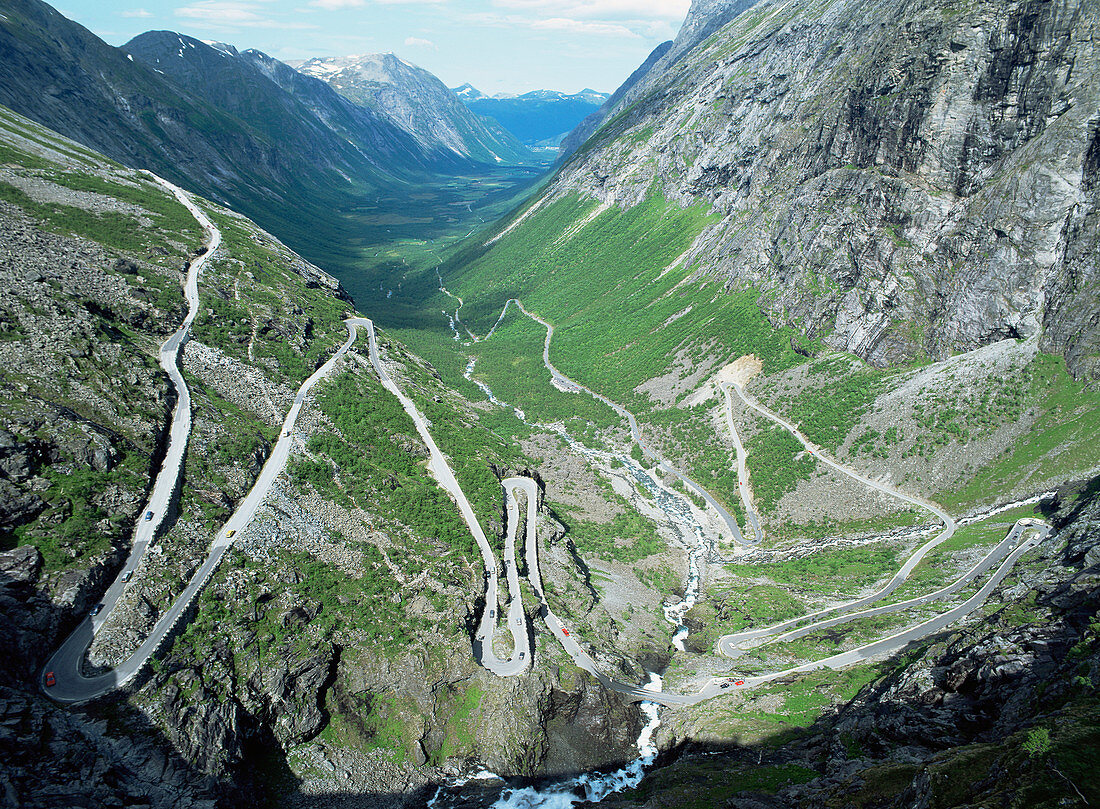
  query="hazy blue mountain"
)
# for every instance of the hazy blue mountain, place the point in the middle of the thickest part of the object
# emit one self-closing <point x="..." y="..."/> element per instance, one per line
<point x="538" y="118"/>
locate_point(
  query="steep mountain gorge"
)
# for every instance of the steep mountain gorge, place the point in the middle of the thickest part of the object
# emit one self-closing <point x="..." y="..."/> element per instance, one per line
<point x="815" y="304"/>
<point x="330" y="653"/>
<point x="418" y="103"/>
<point x="901" y="182"/>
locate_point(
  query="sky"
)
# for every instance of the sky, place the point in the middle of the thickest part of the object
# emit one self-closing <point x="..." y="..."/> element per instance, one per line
<point x="499" y="46"/>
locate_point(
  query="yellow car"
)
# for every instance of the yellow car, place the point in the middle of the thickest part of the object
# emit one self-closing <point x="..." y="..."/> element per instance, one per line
<point x="229" y="533"/>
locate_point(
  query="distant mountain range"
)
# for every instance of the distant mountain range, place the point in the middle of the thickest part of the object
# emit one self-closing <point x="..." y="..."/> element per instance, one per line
<point x="418" y="103"/>
<point x="240" y="127"/>
<point x="538" y="118"/>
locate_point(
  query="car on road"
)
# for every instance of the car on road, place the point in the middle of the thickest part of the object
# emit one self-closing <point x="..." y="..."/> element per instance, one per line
<point x="50" y="679"/>
<point x="492" y="613"/>
<point x="129" y="574"/>
<point x="97" y="609"/>
<point x="230" y="533"/>
<point x="521" y="654"/>
<point x="565" y="631"/>
<point x="148" y="516"/>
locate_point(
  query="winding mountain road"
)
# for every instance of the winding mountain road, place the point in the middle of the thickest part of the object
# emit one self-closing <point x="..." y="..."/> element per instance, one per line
<point x="727" y="645"/>
<point x="441" y="470"/>
<point x="164" y="485"/>
<point x="1015" y="539"/>
<point x="1014" y="545"/>
<point x="743" y="486"/>
<point x="67" y="663"/>
<point x="998" y="552"/>
<point x="563" y="382"/>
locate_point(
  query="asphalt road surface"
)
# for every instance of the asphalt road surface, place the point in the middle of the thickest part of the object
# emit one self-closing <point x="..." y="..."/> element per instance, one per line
<point x="70" y="687"/>
<point x="445" y="477"/>
<point x="742" y="469"/>
<point x="1014" y="545"/>
<point x="565" y="383"/>
<point x="67" y="663"/>
<point x="728" y="643"/>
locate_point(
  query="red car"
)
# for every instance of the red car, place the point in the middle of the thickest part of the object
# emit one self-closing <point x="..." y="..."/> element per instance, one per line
<point x="565" y="631"/>
<point x="51" y="681"/>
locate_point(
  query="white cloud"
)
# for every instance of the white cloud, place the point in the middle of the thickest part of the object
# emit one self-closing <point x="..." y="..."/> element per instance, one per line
<point x="582" y="27"/>
<point x="137" y="12"/>
<point x="330" y="5"/>
<point x="417" y="42"/>
<point x="603" y="9"/>
<point x="234" y="14"/>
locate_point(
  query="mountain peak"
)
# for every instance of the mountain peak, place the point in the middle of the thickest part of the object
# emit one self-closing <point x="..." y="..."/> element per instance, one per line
<point x="222" y="47"/>
<point x="467" y="91"/>
<point x="419" y="103"/>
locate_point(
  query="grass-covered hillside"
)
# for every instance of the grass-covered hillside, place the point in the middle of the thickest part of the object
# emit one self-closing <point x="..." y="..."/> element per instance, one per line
<point x="648" y="332"/>
<point x="339" y="627"/>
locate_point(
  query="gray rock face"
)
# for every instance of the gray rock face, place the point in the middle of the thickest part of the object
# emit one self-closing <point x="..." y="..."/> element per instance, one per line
<point x="51" y="757"/>
<point x="20" y="566"/>
<point x="293" y="691"/>
<point x="704" y="18"/>
<point x="900" y="181"/>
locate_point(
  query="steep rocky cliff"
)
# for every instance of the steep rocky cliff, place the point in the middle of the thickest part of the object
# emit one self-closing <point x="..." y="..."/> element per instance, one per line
<point x="900" y="181"/>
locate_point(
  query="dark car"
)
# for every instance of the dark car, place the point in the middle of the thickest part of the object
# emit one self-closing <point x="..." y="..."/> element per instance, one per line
<point x="148" y="516"/>
<point x="98" y="608"/>
<point x="50" y="679"/>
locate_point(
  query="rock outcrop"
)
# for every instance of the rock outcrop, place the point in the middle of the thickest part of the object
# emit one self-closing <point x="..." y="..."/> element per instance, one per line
<point x="900" y="181"/>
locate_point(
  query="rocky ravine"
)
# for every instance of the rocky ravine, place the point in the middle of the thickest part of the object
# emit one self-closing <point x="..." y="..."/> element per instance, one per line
<point x="901" y="181"/>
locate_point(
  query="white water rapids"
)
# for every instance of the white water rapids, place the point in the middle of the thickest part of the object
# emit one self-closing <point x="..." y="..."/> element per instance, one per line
<point x="586" y="788"/>
<point x="686" y="520"/>
<point x="683" y="518"/>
